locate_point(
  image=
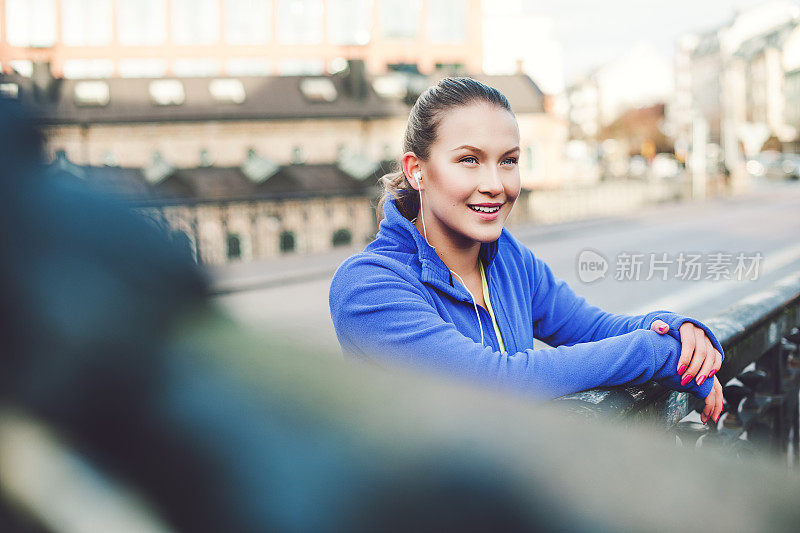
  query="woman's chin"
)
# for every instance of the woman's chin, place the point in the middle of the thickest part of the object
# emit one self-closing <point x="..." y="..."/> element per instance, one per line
<point x="487" y="235"/>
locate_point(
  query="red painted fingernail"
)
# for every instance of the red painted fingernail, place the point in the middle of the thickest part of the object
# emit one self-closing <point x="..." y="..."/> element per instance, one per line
<point x="700" y="380"/>
<point x="682" y="369"/>
<point x="711" y="374"/>
<point x="662" y="329"/>
<point x="716" y="420"/>
<point x="686" y="379"/>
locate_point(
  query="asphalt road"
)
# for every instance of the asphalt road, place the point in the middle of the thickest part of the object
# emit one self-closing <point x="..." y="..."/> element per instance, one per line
<point x="288" y="297"/>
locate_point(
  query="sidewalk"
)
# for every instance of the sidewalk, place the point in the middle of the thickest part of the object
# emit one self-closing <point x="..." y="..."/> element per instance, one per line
<point x="287" y="269"/>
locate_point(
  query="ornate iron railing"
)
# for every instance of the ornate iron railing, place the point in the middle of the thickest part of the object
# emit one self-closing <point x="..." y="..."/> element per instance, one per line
<point x="761" y="373"/>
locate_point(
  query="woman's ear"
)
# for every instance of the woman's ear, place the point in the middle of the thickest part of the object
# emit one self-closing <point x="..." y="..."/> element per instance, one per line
<point x="412" y="168"/>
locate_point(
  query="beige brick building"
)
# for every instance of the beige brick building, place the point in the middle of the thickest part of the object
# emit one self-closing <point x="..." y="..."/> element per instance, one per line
<point x="185" y="38"/>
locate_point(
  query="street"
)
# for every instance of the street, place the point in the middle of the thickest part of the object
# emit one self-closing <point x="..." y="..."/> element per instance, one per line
<point x="288" y="297"/>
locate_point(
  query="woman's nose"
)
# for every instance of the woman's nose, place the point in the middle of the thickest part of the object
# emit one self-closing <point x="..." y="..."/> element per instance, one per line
<point x="491" y="183"/>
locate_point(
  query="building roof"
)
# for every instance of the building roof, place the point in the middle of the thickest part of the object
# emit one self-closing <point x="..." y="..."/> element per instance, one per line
<point x="773" y="38"/>
<point x="129" y="100"/>
<point x="348" y="94"/>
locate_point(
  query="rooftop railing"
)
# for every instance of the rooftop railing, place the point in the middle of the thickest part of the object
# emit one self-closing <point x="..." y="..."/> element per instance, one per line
<point x="760" y="374"/>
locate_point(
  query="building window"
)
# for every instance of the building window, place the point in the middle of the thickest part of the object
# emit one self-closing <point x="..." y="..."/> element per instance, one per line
<point x="86" y="22"/>
<point x="300" y="21"/>
<point x="9" y="90"/>
<point x="452" y="69"/>
<point x="167" y="92"/>
<point x="400" y="18"/>
<point x="234" y="246"/>
<point x="349" y="21"/>
<point x="227" y="90"/>
<point x="447" y="21"/>
<point x="341" y="237"/>
<point x="287" y="242"/>
<point x="248" y="22"/>
<point x="142" y="68"/>
<point x="88" y="68"/>
<point x="195" y="21"/>
<point x="195" y="67"/>
<point x="23" y="67"/>
<point x="92" y="93"/>
<point x="141" y="22"/>
<point x="248" y="66"/>
<point x="31" y="22"/>
<point x="300" y="67"/>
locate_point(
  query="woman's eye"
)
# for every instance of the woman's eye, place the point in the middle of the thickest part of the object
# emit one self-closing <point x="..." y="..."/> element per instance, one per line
<point x="469" y="159"/>
<point x="510" y="160"/>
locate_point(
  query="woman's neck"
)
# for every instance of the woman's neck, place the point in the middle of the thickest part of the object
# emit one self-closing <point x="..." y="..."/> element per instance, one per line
<point x="460" y="257"/>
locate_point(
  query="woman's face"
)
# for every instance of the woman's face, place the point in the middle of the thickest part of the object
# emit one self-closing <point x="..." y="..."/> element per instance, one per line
<point x="471" y="178"/>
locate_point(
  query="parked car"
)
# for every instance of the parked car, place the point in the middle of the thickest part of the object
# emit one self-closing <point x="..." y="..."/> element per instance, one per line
<point x="775" y="165"/>
<point x="665" y="166"/>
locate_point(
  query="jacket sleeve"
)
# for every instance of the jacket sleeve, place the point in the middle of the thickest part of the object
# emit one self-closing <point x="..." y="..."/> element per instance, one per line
<point x="380" y="315"/>
<point x="561" y="317"/>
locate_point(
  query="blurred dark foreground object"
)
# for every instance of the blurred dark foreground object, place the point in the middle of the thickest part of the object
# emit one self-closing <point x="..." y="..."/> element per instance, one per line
<point x="117" y="374"/>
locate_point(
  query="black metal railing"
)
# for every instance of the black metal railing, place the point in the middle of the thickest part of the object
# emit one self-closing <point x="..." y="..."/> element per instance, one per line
<point x="761" y="373"/>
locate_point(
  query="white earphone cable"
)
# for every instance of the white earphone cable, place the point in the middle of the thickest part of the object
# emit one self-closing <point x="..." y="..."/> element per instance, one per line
<point x="425" y="234"/>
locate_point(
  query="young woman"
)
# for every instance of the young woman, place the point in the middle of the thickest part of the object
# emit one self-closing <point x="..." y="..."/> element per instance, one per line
<point x="444" y="286"/>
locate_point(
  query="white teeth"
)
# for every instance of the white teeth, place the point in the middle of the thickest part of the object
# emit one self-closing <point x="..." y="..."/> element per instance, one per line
<point x="484" y="209"/>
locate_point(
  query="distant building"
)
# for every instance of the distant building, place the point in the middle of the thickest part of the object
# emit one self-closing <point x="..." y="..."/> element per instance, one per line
<point x="219" y="147"/>
<point x="255" y="211"/>
<point x="189" y="122"/>
<point x="738" y="78"/>
<point x="193" y="38"/>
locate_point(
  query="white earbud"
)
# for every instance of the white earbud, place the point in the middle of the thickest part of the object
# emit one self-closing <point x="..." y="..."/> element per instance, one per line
<point x="417" y="175"/>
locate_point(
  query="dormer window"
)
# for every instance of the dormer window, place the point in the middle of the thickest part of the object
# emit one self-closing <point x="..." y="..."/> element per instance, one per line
<point x="318" y="89"/>
<point x="9" y="90"/>
<point x="258" y="169"/>
<point x="167" y="92"/>
<point x="393" y="87"/>
<point x="158" y="169"/>
<point x="227" y="90"/>
<point x="92" y="93"/>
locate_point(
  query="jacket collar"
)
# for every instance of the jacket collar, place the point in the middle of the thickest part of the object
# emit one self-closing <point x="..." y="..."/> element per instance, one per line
<point x="396" y="227"/>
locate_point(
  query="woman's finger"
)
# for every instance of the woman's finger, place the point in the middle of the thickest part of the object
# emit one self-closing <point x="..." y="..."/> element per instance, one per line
<point x="710" y="403"/>
<point x="687" y="347"/>
<point x="698" y="357"/>
<point x="659" y="326"/>
<point x="720" y="401"/>
<point x="705" y="370"/>
<point x="717" y="363"/>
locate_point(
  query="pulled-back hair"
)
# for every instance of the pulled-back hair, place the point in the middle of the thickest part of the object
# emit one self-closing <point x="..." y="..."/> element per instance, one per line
<point x="423" y="121"/>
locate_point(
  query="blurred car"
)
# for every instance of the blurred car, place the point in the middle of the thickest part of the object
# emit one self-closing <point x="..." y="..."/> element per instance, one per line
<point x="775" y="165"/>
<point x="665" y="166"/>
<point x="637" y="167"/>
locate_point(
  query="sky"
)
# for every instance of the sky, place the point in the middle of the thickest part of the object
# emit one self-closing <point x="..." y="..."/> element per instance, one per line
<point x="594" y="32"/>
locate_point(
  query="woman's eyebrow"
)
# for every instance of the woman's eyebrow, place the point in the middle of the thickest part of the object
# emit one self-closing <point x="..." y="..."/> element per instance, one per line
<point x="478" y="150"/>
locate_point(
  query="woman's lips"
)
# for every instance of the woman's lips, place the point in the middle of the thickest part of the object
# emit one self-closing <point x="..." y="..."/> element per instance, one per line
<point x="486" y="215"/>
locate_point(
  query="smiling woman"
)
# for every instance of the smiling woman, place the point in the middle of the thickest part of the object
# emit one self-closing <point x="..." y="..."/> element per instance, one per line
<point x="446" y="287"/>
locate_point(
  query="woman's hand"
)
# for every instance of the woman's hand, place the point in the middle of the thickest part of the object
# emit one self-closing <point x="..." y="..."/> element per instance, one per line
<point x="699" y="359"/>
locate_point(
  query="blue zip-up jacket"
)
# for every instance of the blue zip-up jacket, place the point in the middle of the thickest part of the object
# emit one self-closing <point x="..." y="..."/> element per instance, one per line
<point x="397" y="301"/>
